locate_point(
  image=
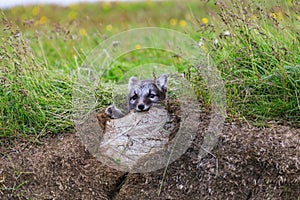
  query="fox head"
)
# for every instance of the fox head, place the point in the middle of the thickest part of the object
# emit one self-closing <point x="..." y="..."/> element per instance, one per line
<point x="142" y="94"/>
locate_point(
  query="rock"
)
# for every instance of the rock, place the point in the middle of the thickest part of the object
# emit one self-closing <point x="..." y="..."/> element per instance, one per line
<point x="129" y="139"/>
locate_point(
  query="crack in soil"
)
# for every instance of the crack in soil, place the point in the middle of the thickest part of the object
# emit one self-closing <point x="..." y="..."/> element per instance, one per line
<point x="119" y="184"/>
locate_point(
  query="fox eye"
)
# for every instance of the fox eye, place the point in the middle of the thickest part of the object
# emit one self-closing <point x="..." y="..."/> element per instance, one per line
<point x="151" y="96"/>
<point x="134" y="97"/>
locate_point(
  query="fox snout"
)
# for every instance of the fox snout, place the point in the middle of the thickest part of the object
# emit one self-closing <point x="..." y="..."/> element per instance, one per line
<point x="142" y="99"/>
<point x="142" y="104"/>
<point x="142" y="107"/>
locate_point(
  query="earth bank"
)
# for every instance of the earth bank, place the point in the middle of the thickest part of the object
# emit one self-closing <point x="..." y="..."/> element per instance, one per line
<point x="248" y="163"/>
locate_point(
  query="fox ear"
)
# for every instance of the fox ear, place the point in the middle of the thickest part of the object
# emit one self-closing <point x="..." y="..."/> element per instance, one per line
<point x="132" y="82"/>
<point x="162" y="82"/>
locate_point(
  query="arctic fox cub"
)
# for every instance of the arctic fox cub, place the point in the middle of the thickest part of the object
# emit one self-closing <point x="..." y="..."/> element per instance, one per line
<point x="142" y="94"/>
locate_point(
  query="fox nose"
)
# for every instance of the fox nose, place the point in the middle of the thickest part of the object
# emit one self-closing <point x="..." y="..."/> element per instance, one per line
<point x="141" y="107"/>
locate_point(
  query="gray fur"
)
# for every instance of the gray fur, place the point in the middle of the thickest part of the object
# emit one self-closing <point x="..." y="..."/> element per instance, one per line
<point x="142" y="94"/>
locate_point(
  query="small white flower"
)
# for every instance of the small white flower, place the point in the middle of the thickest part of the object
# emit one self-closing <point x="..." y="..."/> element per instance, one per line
<point x="226" y="33"/>
<point x="216" y="41"/>
<point x="200" y="43"/>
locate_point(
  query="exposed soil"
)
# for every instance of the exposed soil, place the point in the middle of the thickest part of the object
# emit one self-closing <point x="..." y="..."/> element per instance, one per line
<point x="250" y="163"/>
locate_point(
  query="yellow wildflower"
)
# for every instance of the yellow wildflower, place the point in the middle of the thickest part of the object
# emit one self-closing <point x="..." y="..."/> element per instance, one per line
<point x="173" y="22"/>
<point x="41" y="21"/>
<point x="254" y="17"/>
<point x="36" y="10"/>
<point x="109" y="27"/>
<point x="182" y="23"/>
<point x="72" y="15"/>
<point x="280" y="15"/>
<point x="204" y="20"/>
<point x="273" y="15"/>
<point x="137" y="46"/>
<point x="298" y="17"/>
<point x="82" y="32"/>
<point x="204" y="48"/>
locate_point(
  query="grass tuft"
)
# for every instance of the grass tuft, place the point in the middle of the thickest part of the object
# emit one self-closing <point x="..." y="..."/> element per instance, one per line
<point x="254" y="44"/>
<point x="32" y="99"/>
<point x="257" y="52"/>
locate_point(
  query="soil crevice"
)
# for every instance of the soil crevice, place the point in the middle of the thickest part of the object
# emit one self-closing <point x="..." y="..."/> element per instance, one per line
<point x="119" y="184"/>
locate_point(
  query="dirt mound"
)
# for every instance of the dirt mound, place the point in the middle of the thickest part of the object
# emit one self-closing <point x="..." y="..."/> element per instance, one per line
<point x="250" y="163"/>
<point x="247" y="163"/>
<point x="59" y="169"/>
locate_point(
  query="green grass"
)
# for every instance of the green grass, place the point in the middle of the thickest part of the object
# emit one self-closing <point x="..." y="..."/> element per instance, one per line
<point x="33" y="100"/>
<point x="260" y="61"/>
<point x="40" y="49"/>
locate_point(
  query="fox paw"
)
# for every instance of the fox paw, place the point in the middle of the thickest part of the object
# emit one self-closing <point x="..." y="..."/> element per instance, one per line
<point x="109" y="111"/>
<point x="113" y="112"/>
